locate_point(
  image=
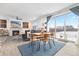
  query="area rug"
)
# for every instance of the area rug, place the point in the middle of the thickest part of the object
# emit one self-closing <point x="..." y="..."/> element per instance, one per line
<point x="27" y="50"/>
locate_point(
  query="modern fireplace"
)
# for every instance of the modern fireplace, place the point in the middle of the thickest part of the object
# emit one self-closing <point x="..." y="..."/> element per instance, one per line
<point x="15" y="32"/>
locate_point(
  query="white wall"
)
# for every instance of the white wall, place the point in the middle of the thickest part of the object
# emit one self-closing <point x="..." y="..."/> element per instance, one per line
<point x="38" y="23"/>
<point x="22" y="30"/>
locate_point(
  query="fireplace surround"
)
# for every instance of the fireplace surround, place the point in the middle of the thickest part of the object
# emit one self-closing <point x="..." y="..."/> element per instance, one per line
<point x="15" y="32"/>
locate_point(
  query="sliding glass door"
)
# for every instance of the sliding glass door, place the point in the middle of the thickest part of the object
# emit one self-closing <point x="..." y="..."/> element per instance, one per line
<point x="51" y="25"/>
<point x="64" y="26"/>
<point x="60" y="27"/>
<point x="72" y="27"/>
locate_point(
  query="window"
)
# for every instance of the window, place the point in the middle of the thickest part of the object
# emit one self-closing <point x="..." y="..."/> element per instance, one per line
<point x="51" y="25"/>
<point x="60" y="27"/>
<point x="71" y="26"/>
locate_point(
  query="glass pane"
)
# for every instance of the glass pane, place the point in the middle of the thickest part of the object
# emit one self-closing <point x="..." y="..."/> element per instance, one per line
<point x="72" y="27"/>
<point x="60" y="27"/>
<point x="51" y="26"/>
<point x="36" y="24"/>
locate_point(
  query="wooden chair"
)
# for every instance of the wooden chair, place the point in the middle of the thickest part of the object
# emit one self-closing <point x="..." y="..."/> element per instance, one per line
<point x="33" y="41"/>
<point x="45" y="40"/>
<point x="45" y="37"/>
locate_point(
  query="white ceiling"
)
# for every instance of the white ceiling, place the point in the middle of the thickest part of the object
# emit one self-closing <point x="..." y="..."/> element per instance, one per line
<point x="30" y="9"/>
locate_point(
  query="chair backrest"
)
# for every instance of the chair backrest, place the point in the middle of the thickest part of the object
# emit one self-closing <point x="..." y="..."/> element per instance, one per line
<point x="24" y="36"/>
<point x="45" y="37"/>
<point x="52" y="33"/>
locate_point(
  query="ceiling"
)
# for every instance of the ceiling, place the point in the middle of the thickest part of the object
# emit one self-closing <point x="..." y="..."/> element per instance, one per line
<point x="30" y="9"/>
<point x="75" y="10"/>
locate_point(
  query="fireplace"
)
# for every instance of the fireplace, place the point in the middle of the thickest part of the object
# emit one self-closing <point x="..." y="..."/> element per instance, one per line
<point x="15" y="32"/>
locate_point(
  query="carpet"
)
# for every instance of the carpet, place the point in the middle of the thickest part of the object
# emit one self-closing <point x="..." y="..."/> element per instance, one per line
<point x="27" y="50"/>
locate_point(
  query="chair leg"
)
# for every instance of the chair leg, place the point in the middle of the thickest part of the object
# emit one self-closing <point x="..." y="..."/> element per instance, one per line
<point x="50" y="44"/>
<point x="53" y="42"/>
<point x="32" y="45"/>
<point x="38" y="46"/>
<point x="44" y="46"/>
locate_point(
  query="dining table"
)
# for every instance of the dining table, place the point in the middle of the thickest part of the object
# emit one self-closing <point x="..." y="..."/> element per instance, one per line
<point x="37" y="36"/>
<point x="41" y="36"/>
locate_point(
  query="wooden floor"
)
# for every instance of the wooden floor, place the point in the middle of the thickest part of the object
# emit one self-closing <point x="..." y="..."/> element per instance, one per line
<point x="10" y="49"/>
<point x="70" y="49"/>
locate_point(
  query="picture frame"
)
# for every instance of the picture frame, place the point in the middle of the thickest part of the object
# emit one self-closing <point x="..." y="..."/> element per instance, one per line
<point x="3" y="23"/>
<point x="15" y="24"/>
<point x="25" y="24"/>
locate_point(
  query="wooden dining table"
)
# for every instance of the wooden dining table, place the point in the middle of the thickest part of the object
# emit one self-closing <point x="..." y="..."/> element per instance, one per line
<point x="44" y="35"/>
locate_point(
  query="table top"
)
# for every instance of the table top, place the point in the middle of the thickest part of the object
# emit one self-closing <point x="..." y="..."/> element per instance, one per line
<point x="42" y="33"/>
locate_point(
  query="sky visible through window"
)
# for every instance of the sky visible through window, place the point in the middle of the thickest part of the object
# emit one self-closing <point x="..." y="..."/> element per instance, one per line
<point x="71" y="20"/>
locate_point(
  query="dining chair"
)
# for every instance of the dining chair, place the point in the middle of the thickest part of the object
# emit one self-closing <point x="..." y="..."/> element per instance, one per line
<point x="45" y="40"/>
<point x="51" y="38"/>
<point x="33" y="42"/>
